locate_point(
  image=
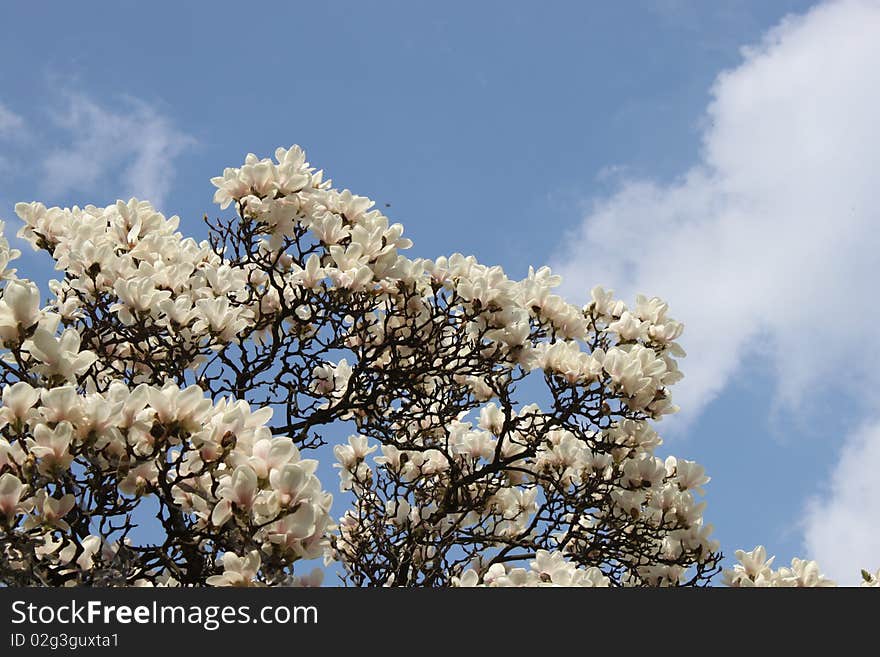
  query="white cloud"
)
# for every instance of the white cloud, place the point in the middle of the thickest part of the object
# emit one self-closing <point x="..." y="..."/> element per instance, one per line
<point x="842" y="524"/>
<point x="10" y="122"/>
<point x="768" y="247"/>
<point x="132" y="148"/>
<point x="772" y="235"/>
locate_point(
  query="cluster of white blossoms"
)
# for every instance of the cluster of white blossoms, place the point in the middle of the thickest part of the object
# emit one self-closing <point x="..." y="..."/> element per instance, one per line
<point x="755" y="569"/>
<point x="547" y="569"/>
<point x="218" y="462"/>
<point x="659" y="494"/>
<point x="630" y="353"/>
<point x="153" y="371"/>
<point x="361" y="252"/>
<point x="156" y="280"/>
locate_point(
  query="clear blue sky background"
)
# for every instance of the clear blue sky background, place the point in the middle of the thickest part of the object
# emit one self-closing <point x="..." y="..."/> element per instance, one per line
<point x="487" y="127"/>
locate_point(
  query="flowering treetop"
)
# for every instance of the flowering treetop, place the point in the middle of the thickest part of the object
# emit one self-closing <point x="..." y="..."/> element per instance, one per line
<point x="196" y="378"/>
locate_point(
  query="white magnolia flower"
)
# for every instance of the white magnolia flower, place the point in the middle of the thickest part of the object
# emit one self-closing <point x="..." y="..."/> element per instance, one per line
<point x="313" y="580"/>
<point x="19" y="308"/>
<point x="237" y="571"/>
<point x="240" y="489"/>
<point x="50" y="446"/>
<point x="18" y="400"/>
<point x="58" y="357"/>
<point x="628" y="327"/>
<point x="295" y="482"/>
<point x="11" y="454"/>
<point x="11" y="490"/>
<point x="605" y="304"/>
<point x="188" y="407"/>
<point x="270" y="454"/>
<point x="61" y="404"/>
<point x="51" y="511"/>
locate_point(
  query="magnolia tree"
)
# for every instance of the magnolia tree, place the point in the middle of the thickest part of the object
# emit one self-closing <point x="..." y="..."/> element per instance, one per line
<point x="187" y="383"/>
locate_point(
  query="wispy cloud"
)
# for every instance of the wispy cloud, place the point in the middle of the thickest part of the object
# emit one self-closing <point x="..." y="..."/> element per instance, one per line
<point x="132" y="145"/>
<point x="10" y="122"/>
<point x="768" y="245"/>
<point x="841" y="529"/>
<point x="100" y="151"/>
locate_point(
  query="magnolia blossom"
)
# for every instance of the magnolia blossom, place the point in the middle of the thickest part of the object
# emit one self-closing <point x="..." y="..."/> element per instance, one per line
<point x="351" y="461"/>
<point x="52" y="447"/>
<point x="19" y="308"/>
<point x="11" y="491"/>
<point x="18" y="400"/>
<point x="59" y="357"/>
<point x="237" y="571"/>
<point x="331" y="380"/>
<point x="239" y="489"/>
<point x="51" y="511"/>
<point x="187" y="408"/>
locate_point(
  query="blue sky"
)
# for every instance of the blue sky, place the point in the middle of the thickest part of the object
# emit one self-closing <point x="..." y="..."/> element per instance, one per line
<point x="634" y="145"/>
